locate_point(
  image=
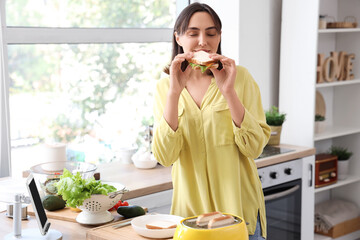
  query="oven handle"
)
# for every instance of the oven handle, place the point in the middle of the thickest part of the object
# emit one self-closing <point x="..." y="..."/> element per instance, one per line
<point x="281" y="194"/>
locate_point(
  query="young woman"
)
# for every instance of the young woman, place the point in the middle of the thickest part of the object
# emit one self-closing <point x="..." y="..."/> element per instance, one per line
<point x="210" y="127"/>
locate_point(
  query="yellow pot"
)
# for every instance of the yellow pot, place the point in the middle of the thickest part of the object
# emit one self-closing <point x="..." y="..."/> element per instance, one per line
<point x="275" y="135"/>
<point x="237" y="231"/>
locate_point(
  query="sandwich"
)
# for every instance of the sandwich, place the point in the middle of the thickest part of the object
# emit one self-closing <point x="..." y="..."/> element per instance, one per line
<point x="202" y="61"/>
<point x="161" y="224"/>
<point x="221" y="221"/>
<point x="204" y="219"/>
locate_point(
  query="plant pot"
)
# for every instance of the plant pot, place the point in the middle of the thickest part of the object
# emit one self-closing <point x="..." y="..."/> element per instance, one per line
<point x="343" y="169"/>
<point x="275" y="135"/>
<point x="319" y="126"/>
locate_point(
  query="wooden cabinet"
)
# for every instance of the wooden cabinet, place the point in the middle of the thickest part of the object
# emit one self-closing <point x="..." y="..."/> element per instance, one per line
<point x="301" y="41"/>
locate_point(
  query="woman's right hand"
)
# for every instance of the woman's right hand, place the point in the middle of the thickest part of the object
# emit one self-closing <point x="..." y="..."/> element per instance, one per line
<point x="178" y="78"/>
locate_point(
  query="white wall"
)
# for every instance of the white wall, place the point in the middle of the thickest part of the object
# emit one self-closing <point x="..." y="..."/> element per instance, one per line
<point x="251" y="36"/>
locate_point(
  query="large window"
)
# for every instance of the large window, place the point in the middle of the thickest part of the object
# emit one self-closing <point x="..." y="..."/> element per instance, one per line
<point x="83" y="73"/>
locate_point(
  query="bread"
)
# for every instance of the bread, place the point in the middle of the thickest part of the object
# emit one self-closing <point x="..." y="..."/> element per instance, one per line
<point x="204" y="219"/>
<point x="221" y="221"/>
<point x="201" y="58"/>
<point x="161" y="224"/>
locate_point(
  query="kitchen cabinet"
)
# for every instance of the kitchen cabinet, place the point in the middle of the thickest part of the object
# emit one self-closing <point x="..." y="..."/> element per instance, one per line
<point x="301" y="41"/>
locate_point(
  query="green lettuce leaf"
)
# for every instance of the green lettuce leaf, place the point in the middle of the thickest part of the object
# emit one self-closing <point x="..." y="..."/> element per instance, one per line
<point x="74" y="189"/>
<point x="202" y="68"/>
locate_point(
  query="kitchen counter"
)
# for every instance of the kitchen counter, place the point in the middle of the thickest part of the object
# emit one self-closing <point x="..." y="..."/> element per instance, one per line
<point x="140" y="182"/>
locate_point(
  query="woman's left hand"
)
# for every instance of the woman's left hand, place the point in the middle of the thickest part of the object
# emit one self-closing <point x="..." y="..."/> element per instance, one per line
<point x="225" y="78"/>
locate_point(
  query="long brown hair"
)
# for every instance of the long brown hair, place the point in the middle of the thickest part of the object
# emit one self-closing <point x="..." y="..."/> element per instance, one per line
<point x="181" y="25"/>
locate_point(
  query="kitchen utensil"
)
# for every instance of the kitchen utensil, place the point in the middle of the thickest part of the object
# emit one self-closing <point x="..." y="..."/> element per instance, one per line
<point x="188" y="230"/>
<point x="45" y="177"/>
<point x="95" y="209"/>
<point x="139" y="225"/>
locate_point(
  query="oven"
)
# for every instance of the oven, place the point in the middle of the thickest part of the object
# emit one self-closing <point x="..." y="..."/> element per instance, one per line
<point x="285" y="189"/>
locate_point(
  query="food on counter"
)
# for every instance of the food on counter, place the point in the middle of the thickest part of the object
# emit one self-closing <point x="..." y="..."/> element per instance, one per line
<point x="205" y="218"/>
<point x="160" y="224"/>
<point x="118" y="204"/>
<point x="50" y="187"/>
<point x="202" y="61"/>
<point x="221" y="221"/>
<point x="52" y="202"/>
<point x="74" y="189"/>
<point x="130" y="211"/>
<point x="75" y="209"/>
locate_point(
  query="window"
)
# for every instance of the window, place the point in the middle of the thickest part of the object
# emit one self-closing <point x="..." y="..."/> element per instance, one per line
<point x="83" y="73"/>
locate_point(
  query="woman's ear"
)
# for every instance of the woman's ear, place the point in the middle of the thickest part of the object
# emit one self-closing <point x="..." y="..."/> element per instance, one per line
<point x="177" y="38"/>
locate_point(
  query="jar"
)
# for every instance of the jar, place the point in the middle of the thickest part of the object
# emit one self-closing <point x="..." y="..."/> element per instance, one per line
<point x="322" y="21"/>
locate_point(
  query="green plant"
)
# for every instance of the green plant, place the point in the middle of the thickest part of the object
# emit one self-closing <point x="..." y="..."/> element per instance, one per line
<point x="274" y="118"/>
<point x="341" y="152"/>
<point x="319" y="118"/>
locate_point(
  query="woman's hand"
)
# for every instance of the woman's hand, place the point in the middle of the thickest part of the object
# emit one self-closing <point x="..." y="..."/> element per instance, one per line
<point x="178" y="78"/>
<point x="225" y="78"/>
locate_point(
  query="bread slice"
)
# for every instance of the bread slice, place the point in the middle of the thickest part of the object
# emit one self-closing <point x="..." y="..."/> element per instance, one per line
<point x="161" y="224"/>
<point x="203" y="219"/>
<point x="201" y="58"/>
<point x="221" y="221"/>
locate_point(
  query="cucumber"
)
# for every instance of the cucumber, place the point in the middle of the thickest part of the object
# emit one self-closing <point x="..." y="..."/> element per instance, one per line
<point x="130" y="211"/>
<point x="52" y="202"/>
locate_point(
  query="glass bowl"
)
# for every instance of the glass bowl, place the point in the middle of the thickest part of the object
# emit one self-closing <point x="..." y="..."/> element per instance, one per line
<point x="46" y="174"/>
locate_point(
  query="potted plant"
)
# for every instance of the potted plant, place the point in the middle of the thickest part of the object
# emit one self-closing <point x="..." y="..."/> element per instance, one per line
<point x="319" y="123"/>
<point x="275" y="119"/>
<point x="343" y="160"/>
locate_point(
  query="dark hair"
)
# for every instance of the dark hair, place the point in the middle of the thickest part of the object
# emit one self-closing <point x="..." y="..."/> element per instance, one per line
<point x="182" y="23"/>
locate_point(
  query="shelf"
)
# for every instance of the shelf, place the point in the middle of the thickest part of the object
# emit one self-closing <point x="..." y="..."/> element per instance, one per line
<point x="336" y="131"/>
<point x="348" y="180"/>
<point x="321" y="237"/>
<point x="339" y="30"/>
<point x="338" y="83"/>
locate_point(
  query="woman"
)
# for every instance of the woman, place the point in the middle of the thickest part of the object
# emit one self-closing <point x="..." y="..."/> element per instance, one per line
<point x="210" y="126"/>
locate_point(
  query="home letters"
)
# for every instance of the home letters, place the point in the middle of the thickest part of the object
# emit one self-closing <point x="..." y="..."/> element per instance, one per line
<point x="337" y="67"/>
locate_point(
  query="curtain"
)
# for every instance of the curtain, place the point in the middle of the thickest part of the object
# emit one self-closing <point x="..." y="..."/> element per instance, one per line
<point x="4" y="106"/>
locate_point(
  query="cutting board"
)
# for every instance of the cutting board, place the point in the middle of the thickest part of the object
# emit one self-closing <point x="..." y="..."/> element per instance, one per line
<point x="66" y="214"/>
<point x="107" y="232"/>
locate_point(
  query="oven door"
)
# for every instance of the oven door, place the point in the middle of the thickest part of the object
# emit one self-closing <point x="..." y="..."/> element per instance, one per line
<point x="283" y="211"/>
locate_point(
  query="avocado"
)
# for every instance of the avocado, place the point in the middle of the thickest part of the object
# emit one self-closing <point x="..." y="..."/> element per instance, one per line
<point x="52" y="202"/>
<point x="130" y="211"/>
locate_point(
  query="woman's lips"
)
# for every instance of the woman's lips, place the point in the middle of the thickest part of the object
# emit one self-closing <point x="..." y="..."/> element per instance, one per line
<point x="198" y="50"/>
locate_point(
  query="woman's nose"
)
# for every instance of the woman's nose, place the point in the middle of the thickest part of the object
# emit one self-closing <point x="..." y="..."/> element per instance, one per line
<point x="202" y="39"/>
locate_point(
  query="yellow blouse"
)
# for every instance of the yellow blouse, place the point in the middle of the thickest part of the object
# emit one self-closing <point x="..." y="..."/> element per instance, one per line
<point x="213" y="160"/>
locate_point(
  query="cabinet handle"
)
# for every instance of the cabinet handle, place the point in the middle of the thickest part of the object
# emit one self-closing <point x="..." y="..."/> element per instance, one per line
<point x="310" y="175"/>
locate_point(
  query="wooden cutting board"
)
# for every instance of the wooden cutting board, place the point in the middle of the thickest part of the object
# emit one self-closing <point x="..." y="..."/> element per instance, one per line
<point x="107" y="232"/>
<point x="66" y="214"/>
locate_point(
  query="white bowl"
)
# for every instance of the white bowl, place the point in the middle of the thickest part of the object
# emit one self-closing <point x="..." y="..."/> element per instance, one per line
<point x="139" y="225"/>
<point x="145" y="164"/>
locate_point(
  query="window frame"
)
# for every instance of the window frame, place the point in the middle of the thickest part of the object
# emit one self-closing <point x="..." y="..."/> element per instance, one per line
<point x="47" y="35"/>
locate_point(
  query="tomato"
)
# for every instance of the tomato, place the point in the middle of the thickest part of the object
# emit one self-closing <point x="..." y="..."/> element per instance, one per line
<point x="119" y="204"/>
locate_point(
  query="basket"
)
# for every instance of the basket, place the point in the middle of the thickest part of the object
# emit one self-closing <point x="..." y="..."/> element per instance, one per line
<point x="95" y="209"/>
<point x="349" y="22"/>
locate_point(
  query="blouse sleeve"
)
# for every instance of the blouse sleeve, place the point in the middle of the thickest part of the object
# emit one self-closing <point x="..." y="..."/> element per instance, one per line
<point x="167" y="143"/>
<point x="254" y="133"/>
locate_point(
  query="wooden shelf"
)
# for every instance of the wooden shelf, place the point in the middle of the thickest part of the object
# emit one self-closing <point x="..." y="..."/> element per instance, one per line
<point x="339" y="30"/>
<point x="336" y="131"/>
<point x="348" y="180"/>
<point x="353" y="235"/>
<point x="338" y="83"/>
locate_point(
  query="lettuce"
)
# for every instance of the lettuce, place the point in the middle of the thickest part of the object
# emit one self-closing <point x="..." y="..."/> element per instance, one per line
<point x="202" y="68"/>
<point x="74" y="189"/>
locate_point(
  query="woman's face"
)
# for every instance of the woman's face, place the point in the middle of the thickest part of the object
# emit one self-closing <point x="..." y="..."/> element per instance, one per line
<point x="201" y="34"/>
